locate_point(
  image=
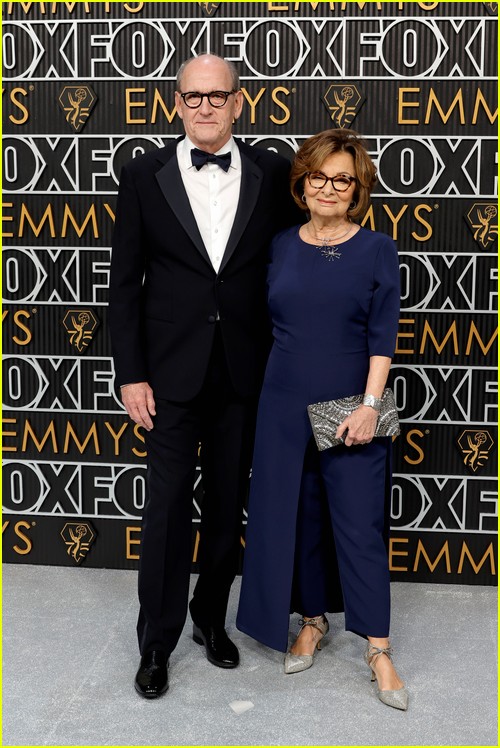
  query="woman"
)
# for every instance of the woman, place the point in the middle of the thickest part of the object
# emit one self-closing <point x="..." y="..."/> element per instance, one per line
<point x="334" y="302"/>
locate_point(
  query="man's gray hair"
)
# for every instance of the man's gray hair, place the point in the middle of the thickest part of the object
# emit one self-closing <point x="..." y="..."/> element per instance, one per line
<point x="235" y="78"/>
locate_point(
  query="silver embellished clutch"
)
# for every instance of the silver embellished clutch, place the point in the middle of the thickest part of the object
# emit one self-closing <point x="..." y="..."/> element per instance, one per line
<point x="327" y="416"/>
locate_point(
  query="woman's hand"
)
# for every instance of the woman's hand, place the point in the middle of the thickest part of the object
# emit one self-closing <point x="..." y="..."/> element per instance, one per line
<point x="360" y="426"/>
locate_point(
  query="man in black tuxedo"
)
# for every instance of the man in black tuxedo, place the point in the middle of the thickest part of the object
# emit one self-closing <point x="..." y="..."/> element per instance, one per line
<point x="190" y="337"/>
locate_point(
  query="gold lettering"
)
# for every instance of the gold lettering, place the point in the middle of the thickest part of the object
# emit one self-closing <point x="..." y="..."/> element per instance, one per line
<point x="17" y="315"/>
<point x="17" y="103"/>
<point x="395" y="219"/>
<point x="369" y="218"/>
<point x="416" y="447"/>
<point x="445" y="116"/>
<point x="253" y="102"/>
<point x="402" y="104"/>
<point x="128" y="6"/>
<point x="360" y="5"/>
<point x="8" y="433"/>
<point x="158" y="101"/>
<point x="281" y="104"/>
<point x="281" y="7"/>
<point x="22" y="313"/>
<point x="26" y="7"/>
<point x="68" y="216"/>
<point x="47" y="216"/>
<point x="37" y="224"/>
<point x="481" y="100"/>
<point x="50" y="432"/>
<point x="452" y="332"/>
<point x="5" y="234"/>
<point x="19" y="526"/>
<point x="116" y="436"/>
<point x="393" y="552"/>
<point x="70" y="6"/>
<point x="422" y="552"/>
<point x="140" y="436"/>
<point x="421" y="220"/>
<point x="130" y="104"/>
<point x="196" y="546"/>
<point x="92" y="434"/>
<point x="313" y="5"/>
<point x="109" y="211"/>
<point x="130" y="541"/>
<point x="474" y="333"/>
<point x="404" y="335"/>
<point x="405" y="103"/>
<point x="488" y="553"/>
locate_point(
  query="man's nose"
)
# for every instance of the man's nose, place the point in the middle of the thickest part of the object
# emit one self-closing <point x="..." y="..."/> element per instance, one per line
<point x="205" y="106"/>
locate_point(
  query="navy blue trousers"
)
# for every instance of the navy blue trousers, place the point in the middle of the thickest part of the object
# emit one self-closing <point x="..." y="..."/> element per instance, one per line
<point x="337" y="517"/>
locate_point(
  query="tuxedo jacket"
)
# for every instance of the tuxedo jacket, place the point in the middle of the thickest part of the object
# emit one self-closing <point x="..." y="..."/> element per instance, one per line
<point x="165" y="295"/>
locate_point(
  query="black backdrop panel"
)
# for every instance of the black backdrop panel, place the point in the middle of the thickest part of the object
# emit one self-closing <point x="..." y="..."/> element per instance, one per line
<point x="88" y="86"/>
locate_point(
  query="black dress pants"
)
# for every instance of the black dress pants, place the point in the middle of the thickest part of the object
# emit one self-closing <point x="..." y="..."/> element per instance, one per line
<point x="224" y="423"/>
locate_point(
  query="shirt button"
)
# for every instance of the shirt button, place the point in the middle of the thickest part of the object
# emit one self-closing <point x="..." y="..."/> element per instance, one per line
<point x="211" y="319"/>
<point x="215" y="202"/>
<point x="216" y="231"/>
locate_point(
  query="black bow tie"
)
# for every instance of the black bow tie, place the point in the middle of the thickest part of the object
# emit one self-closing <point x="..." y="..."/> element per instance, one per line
<point x="200" y="158"/>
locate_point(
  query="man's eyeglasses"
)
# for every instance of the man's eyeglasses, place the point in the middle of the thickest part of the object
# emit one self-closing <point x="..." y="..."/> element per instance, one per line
<point x="340" y="182"/>
<point x="217" y="99"/>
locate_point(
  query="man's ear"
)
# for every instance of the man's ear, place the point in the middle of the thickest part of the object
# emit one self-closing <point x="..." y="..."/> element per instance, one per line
<point x="238" y="105"/>
<point x="178" y="104"/>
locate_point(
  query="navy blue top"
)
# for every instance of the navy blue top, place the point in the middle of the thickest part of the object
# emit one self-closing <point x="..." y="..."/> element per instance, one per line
<point x="330" y="315"/>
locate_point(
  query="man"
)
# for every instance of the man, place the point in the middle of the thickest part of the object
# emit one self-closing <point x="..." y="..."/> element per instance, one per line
<point x="189" y="330"/>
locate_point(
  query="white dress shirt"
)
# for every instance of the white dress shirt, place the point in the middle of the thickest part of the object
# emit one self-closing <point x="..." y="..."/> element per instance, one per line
<point x="213" y="195"/>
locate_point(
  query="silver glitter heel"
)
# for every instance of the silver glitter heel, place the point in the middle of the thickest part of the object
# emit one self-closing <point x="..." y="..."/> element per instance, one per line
<point x="397" y="699"/>
<point x="297" y="663"/>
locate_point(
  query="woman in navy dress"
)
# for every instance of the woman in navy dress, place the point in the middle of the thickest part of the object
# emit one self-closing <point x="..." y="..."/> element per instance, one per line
<point x="334" y="303"/>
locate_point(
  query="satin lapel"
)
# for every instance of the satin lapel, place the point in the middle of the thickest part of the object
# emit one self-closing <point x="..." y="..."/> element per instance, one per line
<point x="251" y="179"/>
<point x="171" y="184"/>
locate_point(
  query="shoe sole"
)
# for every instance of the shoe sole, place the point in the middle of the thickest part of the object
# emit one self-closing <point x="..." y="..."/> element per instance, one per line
<point x="150" y="696"/>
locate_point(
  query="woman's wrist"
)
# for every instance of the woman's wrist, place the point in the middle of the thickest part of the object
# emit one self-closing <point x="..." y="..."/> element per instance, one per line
<point x="372" y="402"/>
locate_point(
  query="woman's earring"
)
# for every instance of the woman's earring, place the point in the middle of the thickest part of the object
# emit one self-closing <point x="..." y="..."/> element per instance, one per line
<point x="352" y="205"/>
<point x="304" y="199"/>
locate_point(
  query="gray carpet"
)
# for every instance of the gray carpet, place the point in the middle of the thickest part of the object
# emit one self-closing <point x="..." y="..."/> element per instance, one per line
<point x="70" y="656"/>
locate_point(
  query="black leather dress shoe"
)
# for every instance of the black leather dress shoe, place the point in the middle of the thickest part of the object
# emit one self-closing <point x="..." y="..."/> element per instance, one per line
<point x="151" y="680"/>
<point x="219" y="648"/>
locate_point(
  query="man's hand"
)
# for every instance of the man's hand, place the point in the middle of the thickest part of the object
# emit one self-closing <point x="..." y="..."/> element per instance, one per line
<point x="140" y="404"/>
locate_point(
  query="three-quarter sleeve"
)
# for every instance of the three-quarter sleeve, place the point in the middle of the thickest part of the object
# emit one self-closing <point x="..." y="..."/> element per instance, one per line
<point x="383" y="318"/>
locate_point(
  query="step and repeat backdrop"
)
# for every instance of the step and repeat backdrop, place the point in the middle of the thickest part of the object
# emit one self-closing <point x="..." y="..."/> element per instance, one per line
<point x="88" y="86"/>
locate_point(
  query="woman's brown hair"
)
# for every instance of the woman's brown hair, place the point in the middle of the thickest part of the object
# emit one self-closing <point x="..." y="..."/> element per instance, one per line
<point x="314" y="152"/>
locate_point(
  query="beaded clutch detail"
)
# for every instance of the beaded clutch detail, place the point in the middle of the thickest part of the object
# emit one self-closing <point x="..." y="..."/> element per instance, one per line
<point x="327" y="416"/>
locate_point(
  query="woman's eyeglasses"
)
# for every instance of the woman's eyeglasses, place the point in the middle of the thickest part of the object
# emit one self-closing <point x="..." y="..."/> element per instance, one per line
<point x="217" y="99"/>
<point x="340" y="182"/>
